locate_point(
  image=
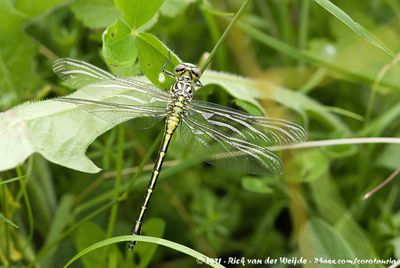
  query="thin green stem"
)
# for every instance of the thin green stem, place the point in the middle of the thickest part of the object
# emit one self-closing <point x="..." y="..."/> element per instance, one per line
<point x="117" y="184"/>
<point x="6" y="226"/>
<point x="285" y="21"/>
<point x="215" y="33"/>
<point x="377" y="83"/>
<point x="145" y="159"/>
<point x="223" y="36"/>
<point x="315" y="79"/>
<point x="27" y="203"/>
<point x="304" y="19"/>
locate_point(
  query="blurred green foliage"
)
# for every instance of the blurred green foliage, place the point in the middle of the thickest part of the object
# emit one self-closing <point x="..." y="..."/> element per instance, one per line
<point x="328" y="67"/>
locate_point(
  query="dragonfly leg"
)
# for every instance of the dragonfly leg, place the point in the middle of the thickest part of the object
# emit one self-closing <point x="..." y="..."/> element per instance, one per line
<point x="165" y="64"/>
<point x="199" y="84"/>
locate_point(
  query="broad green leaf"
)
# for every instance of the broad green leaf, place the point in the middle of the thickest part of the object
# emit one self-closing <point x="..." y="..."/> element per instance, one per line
<point x="239" y="87"/>
<point x="310" y="165"/>
<point x="4" y="219"/>
<point x="390" y="157"/>
<point x="357" y="237"/>
<point x="152" y="55"/>
<point x="172" y="8"/>
<point x="138" y="12"/>
<point x="248" y="107"/>
<point x="319" y="241"/>
<point x="257" y="185"/>
<point x="150" y="23"/>
<point x="332" y="207"/>
<point x="95" y="13"/>
<point x="17" y="53"/>
<point x="251" y="90"/>
<point x="356" y="27"/>
<point x="34" y="8"/>
<point x="88" y="234"/>
<point x="119" y="44"/>
<point x="51" y="128"/>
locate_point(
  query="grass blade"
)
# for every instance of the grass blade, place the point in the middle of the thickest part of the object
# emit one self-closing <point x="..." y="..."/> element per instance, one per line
<point x="148" y="239"/>
<point x="4" y="219"/>
<point x="354" y="26"/>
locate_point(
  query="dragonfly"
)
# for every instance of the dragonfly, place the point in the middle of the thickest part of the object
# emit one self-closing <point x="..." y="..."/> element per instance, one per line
<point x="220" y="135"/>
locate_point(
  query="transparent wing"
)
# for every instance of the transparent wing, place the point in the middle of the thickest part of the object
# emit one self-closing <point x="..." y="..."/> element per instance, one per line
<point x="235" y="140"/>
<point x="144" y="116"/>
<point x="79" y="74"/>
<point x="109" y="97"/>
<point x="261" y="130"/>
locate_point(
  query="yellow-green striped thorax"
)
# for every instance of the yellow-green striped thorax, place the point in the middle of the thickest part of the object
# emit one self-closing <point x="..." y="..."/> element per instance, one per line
<point x="181" y="93"/>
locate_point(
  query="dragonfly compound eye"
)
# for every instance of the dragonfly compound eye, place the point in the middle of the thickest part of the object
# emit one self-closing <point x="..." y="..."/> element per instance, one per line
<point x="179" y="68"/>
<point x="196" y="72"/>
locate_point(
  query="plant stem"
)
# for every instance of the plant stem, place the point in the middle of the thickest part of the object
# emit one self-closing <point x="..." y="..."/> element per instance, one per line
<point x="27" y="203"/>
<point x="223" y="36"/>
<point x="120" y="156"/>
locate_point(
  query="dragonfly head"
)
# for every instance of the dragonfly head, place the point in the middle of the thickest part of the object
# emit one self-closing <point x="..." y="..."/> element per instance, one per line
<point x="187" y="70"/>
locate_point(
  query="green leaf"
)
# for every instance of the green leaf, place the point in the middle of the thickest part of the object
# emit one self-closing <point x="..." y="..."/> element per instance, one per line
<point x="390" y="157"/>
<point x="51" y="128"/>
<point x="355" y="235"/>
<point x="138" y="12"/>
<point x="87" y="234"/>
<point x="251" y="90"/>
<point x="95" y="13"/>
<point x="239" y="87"/>
<point x="248" y="107"/>
<point x="257" y="185"/>
<point x="17" y="54"/>
<point x="356" y="27"/>
<point x="4" y="219"/>
<point x="152" y="55"/>
<point x="119" y="44"/>
<point x="172" y="8"/>
<point x="319" y="241"/>
<point x="34" y="8"/>
<point x="310" y="165"/>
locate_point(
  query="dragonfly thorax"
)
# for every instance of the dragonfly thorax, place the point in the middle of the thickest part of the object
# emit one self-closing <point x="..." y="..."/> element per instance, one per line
<point x="187" y="77"/>
<point x="183" y="88"/>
